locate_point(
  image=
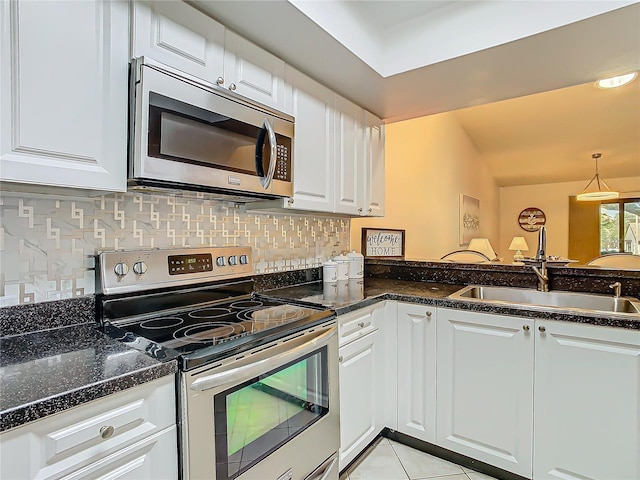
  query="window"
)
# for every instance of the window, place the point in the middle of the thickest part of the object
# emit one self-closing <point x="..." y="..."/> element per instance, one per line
<point x="620" y="226"/>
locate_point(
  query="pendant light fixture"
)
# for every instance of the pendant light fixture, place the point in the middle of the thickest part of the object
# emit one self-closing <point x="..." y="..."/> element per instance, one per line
<point x="597" y="189"/>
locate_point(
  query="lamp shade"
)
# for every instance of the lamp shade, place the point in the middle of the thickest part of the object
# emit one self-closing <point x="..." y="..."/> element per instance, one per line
<point x="518" y="243"/>
<point x="482" y="245"/>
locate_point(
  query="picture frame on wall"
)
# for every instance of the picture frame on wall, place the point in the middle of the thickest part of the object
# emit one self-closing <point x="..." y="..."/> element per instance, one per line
<point x="383" y="243"/>
<point x="469" y="219"/>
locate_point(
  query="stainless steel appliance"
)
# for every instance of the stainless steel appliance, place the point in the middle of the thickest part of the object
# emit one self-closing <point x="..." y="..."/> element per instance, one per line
<point x="188" y="134"/>
<point x="258" y="381"/>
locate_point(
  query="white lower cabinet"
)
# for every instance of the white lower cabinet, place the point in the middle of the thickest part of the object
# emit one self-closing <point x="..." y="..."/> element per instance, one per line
<point x="364" y="395"/>
<point x="485" y="388"/>
<point x="587" y="402"/>
<point x="417" y="371"/>
<point x="129" y="435"/>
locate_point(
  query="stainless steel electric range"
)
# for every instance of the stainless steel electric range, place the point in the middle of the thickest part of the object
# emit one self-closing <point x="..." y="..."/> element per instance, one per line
<point x="258" y="382"/>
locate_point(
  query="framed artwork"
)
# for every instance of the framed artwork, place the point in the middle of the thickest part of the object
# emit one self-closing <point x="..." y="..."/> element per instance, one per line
<point x="382" y="243"/>
<point x="469" y="219"/>
<point x="531" y="219"/>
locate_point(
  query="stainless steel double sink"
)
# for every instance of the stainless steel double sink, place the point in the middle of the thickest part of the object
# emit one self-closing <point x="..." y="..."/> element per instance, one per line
<point x="589" y="302"/>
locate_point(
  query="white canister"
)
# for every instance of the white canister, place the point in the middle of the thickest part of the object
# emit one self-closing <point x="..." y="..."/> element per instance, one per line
<point x="356" y="264"/>
<point x="343" y="266"/>
<point x="330" y="271"/>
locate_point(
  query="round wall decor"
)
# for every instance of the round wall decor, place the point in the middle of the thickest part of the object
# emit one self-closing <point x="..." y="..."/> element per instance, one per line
<point x="531" y="219"/>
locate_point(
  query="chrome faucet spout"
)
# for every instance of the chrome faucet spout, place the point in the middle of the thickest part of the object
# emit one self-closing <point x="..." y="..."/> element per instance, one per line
<point x="541" y="259"/>
<point x="541" y="254"/>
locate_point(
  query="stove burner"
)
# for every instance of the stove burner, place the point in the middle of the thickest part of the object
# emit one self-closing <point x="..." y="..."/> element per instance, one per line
<point x="209" y="313"/>
<point x="164" y="322"/>
<point x="244" y="304"/>
<point x="267" y="317"/>
<point x="208" y="332"/>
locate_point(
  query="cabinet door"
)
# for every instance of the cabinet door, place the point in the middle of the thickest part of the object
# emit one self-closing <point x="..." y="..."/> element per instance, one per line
<point x="358" y="397"/>
<point x="312" y="106"/>
<point x="374" y="166"/>
<point x="252" y="72"/>
<point x="485" y="388"/>
<point x="72" y="440"/>
<point x="587" y="398"/>
<point x="417" y="371"/>
<point x="349" y="157"/>
<point x="180" y="36"/>
<point x="63" y="101"/>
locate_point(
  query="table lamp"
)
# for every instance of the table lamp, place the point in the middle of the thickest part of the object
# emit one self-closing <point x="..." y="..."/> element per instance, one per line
<point x="518" y="244"/>
<point x="482" y="245"/>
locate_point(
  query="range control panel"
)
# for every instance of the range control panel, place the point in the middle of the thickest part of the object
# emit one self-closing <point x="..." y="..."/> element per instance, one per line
<point x="132" y="271"/>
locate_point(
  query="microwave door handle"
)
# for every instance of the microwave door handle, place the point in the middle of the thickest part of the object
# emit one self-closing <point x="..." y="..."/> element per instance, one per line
<point x="266" y="129"/>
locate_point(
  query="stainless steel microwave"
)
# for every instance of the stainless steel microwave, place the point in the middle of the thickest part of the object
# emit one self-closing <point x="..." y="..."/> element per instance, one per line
<point x="187" y="134"/>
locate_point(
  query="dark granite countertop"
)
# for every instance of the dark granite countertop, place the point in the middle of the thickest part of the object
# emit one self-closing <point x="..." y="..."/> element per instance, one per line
<point x="46" y="372"/>
<point x="353" y="295"/>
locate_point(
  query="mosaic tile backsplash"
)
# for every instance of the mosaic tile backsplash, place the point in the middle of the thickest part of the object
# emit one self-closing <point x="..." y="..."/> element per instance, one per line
<point x="47" y="244"/>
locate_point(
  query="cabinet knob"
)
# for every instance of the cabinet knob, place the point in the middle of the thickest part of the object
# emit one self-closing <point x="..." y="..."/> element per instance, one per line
<point x="370" y="210"/>
<point x="220" y="81"/>
<point x="360" y="210"/>
<point x="428" y="314"/>
<point x="107" y="431"/>
<point x="526" y="328"/>
<point x="361" y="324"/>
<point x="232" y="87"/>
<point x="340" y="359"/>
<point x="290" y="201"/>
<point x="542" y="329"/>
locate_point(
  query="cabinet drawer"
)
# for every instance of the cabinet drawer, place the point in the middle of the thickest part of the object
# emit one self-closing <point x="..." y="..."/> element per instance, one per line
<point x="64" y="442"/>
<point x="354" y="325"/>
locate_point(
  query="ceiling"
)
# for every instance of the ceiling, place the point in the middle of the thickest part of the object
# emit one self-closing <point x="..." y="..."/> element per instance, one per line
<point x="404" y="59"/>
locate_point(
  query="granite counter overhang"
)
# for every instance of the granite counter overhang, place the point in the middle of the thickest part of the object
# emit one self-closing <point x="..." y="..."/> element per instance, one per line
<point x="47" y="372"/>
<point x="436" y="294"/>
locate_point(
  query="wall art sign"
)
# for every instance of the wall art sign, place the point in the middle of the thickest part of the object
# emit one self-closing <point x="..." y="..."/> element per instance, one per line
<point x="531" y="219"/>
<point x="382" y="242"/>
<point x="469" y="219"/>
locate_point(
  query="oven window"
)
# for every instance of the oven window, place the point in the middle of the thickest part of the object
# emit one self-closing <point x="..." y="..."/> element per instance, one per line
<point x="258" y="416"/>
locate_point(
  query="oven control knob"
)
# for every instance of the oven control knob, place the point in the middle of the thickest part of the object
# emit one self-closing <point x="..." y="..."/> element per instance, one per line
<point x="233" y="260"/>
<point x="221" y="261"/>
<point x="244" y="259"/>
<point x="140" y="268"/>
<point x="121" y="269"/>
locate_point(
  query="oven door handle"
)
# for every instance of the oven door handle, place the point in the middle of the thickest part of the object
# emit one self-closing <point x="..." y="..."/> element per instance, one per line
<point x="251" y="370"/>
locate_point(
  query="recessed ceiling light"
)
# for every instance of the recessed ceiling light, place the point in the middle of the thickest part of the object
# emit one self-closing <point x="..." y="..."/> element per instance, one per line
<point x="618" y="81"/>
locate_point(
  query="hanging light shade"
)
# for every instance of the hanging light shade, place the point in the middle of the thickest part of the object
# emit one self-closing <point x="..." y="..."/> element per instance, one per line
<point x="597" y="189"/>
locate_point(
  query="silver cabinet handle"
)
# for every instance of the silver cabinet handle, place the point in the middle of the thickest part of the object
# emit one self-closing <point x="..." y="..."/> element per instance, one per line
<point x="220" y="81"/>
<point x="107" y="431"/>
<point x="542" y="329"/>
<point x="232" y="87"/>
<point x="526" y="328"/>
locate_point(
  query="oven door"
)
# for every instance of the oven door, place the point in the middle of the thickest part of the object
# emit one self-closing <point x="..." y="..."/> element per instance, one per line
<point x="189" y="134"/>
<point x="270" y="414"/>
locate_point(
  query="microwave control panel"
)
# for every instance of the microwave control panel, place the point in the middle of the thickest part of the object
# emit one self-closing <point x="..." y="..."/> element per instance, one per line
<point x="283" y="162"/>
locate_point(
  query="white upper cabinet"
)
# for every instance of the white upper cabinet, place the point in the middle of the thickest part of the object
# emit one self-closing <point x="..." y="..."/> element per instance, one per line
<point x="349" y="157"/>
<point x="374" y="166"/>
<point x="312" y="106"/>
<point x="180" y="36"/>
<point x="63" y="101"/>
<point x="253" y="72"/>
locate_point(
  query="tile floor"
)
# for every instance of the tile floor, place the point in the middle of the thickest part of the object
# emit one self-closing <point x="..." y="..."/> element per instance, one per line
<point x="389" y="460"/>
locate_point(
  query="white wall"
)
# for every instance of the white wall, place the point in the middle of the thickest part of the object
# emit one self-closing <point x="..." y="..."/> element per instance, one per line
<point x="430" y="161"/>
<point x="553" y="200"/>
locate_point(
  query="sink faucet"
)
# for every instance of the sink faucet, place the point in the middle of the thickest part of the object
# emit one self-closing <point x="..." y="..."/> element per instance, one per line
<point x="540" y="268"/>
<point x="617" y="289"/>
